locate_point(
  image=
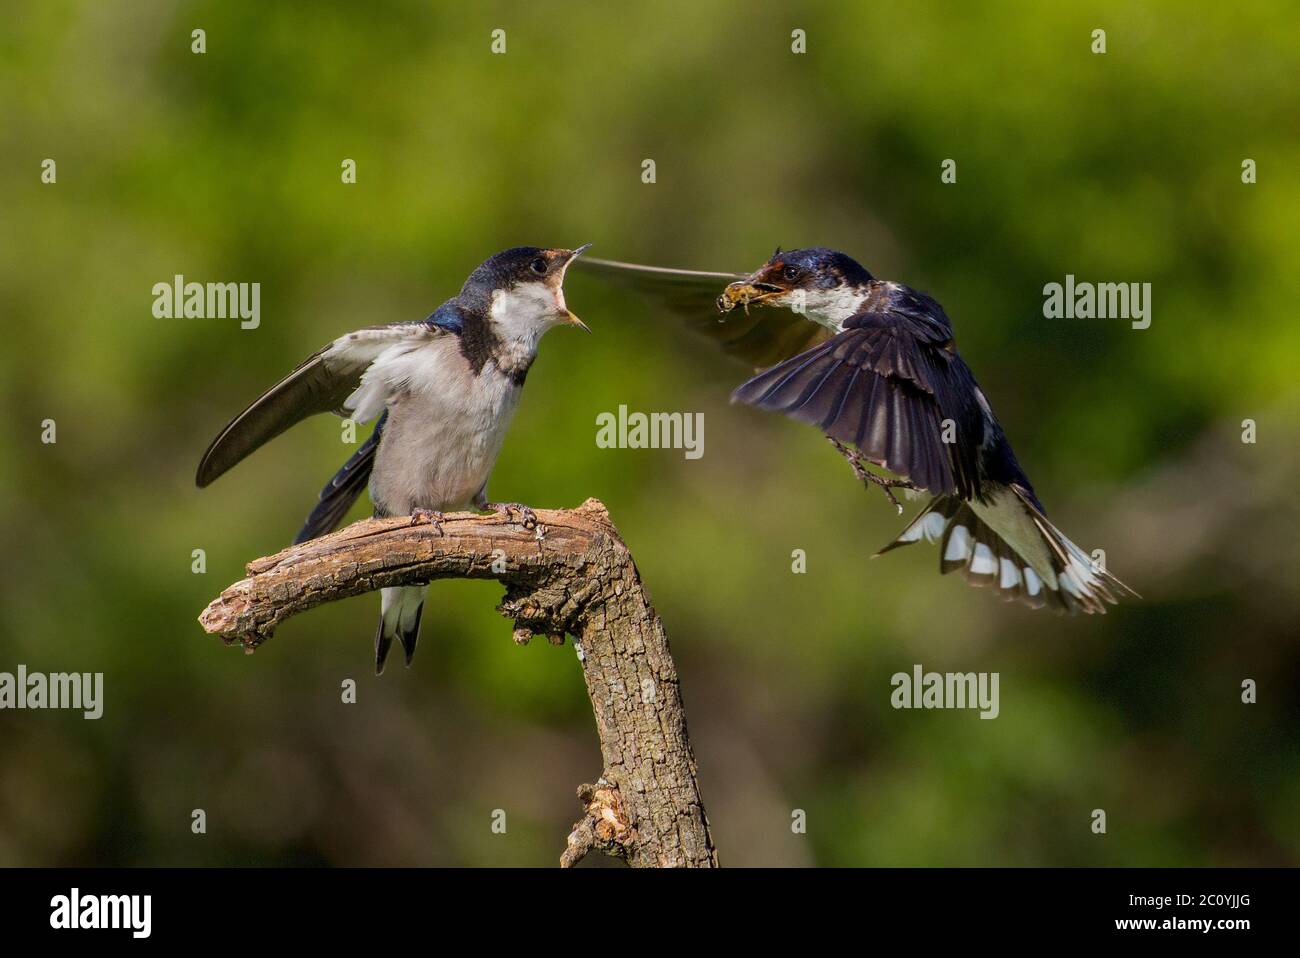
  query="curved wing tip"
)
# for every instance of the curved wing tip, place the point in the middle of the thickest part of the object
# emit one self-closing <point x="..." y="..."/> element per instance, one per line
<point x="206" y="474"/>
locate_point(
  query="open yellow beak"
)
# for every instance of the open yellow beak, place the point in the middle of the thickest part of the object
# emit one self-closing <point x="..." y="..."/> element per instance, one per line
<point x="573" y="320"/>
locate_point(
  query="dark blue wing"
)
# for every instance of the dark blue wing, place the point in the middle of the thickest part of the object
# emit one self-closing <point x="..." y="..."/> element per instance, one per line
<point x="889" y="383"/>
<point x="341" y="491"/>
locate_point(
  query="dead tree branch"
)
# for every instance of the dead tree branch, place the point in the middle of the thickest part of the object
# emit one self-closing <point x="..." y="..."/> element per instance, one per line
<point x="572" y="574"/>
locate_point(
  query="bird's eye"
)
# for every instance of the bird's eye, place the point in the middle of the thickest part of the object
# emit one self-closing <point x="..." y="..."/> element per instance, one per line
<point x="791" y="273"/>
<point x="538" y="265"/>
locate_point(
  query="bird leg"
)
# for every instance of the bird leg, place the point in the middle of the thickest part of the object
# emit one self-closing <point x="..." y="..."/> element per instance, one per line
<point x="869" y="478"/>
<point x="427" y="515"/>
<point x="527" y="517"/>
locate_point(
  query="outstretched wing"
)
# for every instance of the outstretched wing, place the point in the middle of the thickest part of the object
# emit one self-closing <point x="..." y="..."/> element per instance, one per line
<point x="889" y="383"/>
<point x="322" y="383"/>
<point x="760" y="338"/>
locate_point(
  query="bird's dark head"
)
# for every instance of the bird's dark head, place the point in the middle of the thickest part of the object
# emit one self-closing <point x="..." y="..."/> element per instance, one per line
<point x="824" y="283"/>
<point x="520" y="291"/>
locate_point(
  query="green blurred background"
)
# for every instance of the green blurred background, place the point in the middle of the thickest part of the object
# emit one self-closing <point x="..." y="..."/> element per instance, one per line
<point x="226" y="167"/>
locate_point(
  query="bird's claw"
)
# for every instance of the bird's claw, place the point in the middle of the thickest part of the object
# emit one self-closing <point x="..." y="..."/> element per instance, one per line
<point x="527" y="517"/>
<point x="427" y="515"/>
<point x="869" y="478"/>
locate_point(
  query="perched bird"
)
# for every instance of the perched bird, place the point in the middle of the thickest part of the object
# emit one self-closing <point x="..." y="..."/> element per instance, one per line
<point x="443" y="389"/>
<point x="873" y="365"/>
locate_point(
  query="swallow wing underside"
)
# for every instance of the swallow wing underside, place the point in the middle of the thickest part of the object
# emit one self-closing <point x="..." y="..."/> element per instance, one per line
<point x="886" y="386"/>
<point x="321" y="383"/>
<point x="760" y="338"/>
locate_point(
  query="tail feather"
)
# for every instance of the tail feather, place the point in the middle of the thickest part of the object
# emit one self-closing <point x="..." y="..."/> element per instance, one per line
<point x="985" y="558"/>
<point x="383" y="642"/>
<point x="1083" y="582"/>
<point x="400" y="619"/>
<point x="1007" y="543"/>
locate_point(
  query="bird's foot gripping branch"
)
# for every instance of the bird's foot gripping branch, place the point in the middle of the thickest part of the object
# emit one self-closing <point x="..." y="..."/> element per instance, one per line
<point x="579" y="579"/>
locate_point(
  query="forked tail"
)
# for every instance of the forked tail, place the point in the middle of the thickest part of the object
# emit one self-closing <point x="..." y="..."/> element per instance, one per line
<point x="1006" y="542"/>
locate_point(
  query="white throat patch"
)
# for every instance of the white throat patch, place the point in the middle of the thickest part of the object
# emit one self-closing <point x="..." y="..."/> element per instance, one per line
<point x="828" y="307"/>
<point x="523" y="313"/>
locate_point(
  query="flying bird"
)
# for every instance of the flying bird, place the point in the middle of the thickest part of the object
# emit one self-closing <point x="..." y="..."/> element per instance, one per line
<point x="443" y="391"/>
<point x="873" y="365"/>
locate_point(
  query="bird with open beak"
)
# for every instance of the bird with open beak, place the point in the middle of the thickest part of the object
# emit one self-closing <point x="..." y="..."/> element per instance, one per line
<point x="873" y="365"/>
<point x="443" y="391"/>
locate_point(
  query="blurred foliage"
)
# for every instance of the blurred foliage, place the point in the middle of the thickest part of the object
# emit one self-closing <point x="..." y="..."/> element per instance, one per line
<point x="226" y="166"/>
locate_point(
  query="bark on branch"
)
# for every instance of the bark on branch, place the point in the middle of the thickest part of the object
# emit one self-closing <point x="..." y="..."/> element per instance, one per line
<point x="572" y="574"/>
